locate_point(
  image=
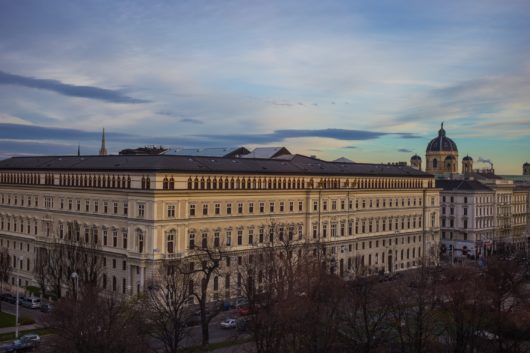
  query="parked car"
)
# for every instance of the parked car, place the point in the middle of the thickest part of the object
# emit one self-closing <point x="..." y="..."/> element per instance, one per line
<point x="8" y="298"/>
<point x="31" y="303"/>
<point x="229" y="323"/>
<point x="241" y="302"/>
<point x="46" y="308"/>
<point x="243" y="323"/>
<point x="32" y="337"/>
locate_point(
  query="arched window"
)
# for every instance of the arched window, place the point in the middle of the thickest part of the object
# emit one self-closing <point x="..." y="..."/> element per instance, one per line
<point x="434" y="163"/>
<point x="171" y="241"/>
<point x="165" y="184"/>
<point x="172" y="184"/>
<point x="190" y="184"/>
<point x="148" y="183"/>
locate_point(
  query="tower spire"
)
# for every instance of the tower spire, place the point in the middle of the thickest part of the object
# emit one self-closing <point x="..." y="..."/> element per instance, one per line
<point x="103" y="149"/>
<point x="79" y="150"/>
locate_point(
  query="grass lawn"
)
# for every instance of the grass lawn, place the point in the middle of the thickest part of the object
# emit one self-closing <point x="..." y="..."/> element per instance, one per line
<point x="6" y="320"/>
<point x="11" y="336"/>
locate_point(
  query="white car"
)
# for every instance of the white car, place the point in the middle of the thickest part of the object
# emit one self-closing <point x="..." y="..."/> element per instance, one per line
<point x="229" y="323"/>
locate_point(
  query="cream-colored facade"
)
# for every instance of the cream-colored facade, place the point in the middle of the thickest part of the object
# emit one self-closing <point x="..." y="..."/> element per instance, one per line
<point x="386" y="222"/>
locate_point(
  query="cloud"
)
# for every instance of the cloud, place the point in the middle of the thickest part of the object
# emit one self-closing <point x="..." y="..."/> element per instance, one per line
<point x="404" y="150"/>
<point x="280" y="135"/>
<point x="350" y="147"/>
<point x="65" y="89"/>
<point x="191" y="121"/>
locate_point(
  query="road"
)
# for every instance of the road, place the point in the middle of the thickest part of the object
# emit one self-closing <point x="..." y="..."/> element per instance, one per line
<point x="35" y="314"/>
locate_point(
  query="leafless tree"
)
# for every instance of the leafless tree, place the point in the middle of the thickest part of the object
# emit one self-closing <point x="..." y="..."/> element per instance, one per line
<point x="203" y="263"/>
<point x="412" y="309"/>
<point x="5" y="268"/>
<point x="93" y="322"/>
<point x="165" y="304"/>
<point x="364" y="315"/>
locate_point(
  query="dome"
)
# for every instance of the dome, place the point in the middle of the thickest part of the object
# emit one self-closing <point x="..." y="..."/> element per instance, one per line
<point x="467" y="158"/>
<point x="442" y="143"/>
<point x="415" y="158"/>
<point x="449" y="158"/>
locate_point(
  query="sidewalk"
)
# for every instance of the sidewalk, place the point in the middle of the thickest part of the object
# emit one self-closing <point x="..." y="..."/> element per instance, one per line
<point x="20" y="328"/>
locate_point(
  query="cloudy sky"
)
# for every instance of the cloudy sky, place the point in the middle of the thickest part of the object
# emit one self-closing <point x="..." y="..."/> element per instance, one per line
<point x="368" y="80"/>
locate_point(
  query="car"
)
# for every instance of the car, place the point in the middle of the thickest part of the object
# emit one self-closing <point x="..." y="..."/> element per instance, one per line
<point x="46" y="308"/>
<point x="229" y="323"/>
<point x="244" y="311"/>
<point x="31" y="303"/>
<point x="31" y="337"/>
<point x="9" y="298"/>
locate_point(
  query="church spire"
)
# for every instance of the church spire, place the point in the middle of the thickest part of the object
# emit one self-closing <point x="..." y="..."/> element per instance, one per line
<point x="79" y="150"/>
<point x="103" y="149"/>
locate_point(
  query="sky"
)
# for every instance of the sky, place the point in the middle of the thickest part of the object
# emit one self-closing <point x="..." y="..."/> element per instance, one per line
<point x="368" y="80"/>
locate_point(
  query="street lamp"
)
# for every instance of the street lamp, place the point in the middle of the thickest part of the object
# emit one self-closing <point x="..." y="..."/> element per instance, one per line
<point x="75" y="278"/>
<point x="21" y="258"/>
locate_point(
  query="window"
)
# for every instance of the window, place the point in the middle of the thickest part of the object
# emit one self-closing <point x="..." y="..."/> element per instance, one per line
<point x="171" y="211"/>
<point x="115" y="207"/>
<point x="205" y="209"/>
<point x="250" y="236"/>
<point x="141" y="210"/>
<point x="282" y="206"/>
<point x="291" y="206"/>
<point x="96" y="207"/>
<point x="240" y="237"/>
<point x="271" y="207"/>
<point x="125" y="209"/>
<point x="217" y="209"/>
<point x="300" y="206"/>
<point x="240" y="208"/>
<point x="192" y="210"/>
<point x="315" y="205"/>
<point x="140" y="237"/>
<point x="191" y="242"/>
<point x="216" y="240"/>
<point x="228" y="208"/>
<point x="228" y="238"/>
<point x="124" y="239"/>
<point x="204" y="241"/>
<point x="261" y="207"/>
<point x="105" y="207"/>
<point x="171" y="241"/>
<point x="251" y="207"/>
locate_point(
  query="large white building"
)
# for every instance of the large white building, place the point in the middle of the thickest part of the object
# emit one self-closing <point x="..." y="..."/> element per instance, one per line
<point x="144" y="209"/>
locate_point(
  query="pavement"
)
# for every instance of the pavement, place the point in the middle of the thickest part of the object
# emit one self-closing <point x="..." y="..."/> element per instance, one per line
<point x="20" y="328"/>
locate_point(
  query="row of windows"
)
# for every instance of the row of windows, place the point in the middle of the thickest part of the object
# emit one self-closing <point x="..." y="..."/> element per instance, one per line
<point x="242" y="183"/>
<point x="292" y="206"/>
<point x="95" y="206"/>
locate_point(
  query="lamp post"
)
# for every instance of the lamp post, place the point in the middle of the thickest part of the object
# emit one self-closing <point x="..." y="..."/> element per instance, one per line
<point x="21" y="258"/>
<point x="75" y="278"/>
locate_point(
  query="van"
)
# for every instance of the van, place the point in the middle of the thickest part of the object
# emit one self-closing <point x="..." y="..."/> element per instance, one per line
<point x="31" y="303"/>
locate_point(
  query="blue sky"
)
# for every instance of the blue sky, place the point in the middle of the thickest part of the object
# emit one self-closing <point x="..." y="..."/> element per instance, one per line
<point x="369" y="80"/>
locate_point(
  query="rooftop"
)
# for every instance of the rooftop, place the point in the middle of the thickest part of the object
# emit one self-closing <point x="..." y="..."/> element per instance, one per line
<point x="295" y="164"/>
<point x="461" y="185"/>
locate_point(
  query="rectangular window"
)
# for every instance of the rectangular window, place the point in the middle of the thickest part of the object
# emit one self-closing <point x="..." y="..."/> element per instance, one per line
<point x="125" y="209"/>
<point x="141" y="210"/>
<point x="271" y="207"/>
<point x="282" y="206"/>
<point x="171" y="211"/>
<point x="251" y="207"/>
<point x="228" y="208"/>
<point x="240" y="208"/>
<point x="291" y="206"/>
<point x="205" y="209"/>
<point x="115" y="207"/>
<point x="105" y="207"/>
<point x="96" y="207"/>
<point x="315" y="205"/>
<point x="240" y="237"/>
<point x="87" y="206"/>
<point x="261" y="207"/>
<point x="228" y="238"/>
<point x="300" y="206"/>
<point x="217" y="209"/>
<point x="192" y="210"/>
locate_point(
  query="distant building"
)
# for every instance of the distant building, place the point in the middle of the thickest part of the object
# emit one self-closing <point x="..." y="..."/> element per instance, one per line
<point x="103" y="149"/>
<point x="441" y="155"/>
<point x="144" y="151"/>
<point x="226" y="152"/>
<point x="415" y="162"/>
<point x="268" y="152"/>
<point x="526" y="168"/>
<point x="467" y="215"/>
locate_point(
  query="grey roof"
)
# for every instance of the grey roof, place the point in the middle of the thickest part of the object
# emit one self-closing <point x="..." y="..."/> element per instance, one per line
<point x="461" y="185"/>
<point x="267" y="152"/>
<point x="208" y="152"/>
<point x="297" y="165"/>
<point x="343" y="160"/>
<point x="442" y="143"/>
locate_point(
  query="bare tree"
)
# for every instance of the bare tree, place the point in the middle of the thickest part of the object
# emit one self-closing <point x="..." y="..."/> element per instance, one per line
<point x="412" y="309"/>
<point x="93" y="322"/>
<point x="201" y="266"/>
<point x="165" y="303"/>
<point x="5" y="269"/>
<point x="364" y="315"/>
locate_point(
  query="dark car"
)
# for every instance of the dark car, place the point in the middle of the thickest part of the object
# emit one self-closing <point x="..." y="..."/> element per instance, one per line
<point x="7" y="297"/>
<point x="46" y="308"/>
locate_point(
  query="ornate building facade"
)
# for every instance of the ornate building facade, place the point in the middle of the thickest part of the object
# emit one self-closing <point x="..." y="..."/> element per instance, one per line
<point x="441" y="155"/>
<point x="144" y="209"/>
